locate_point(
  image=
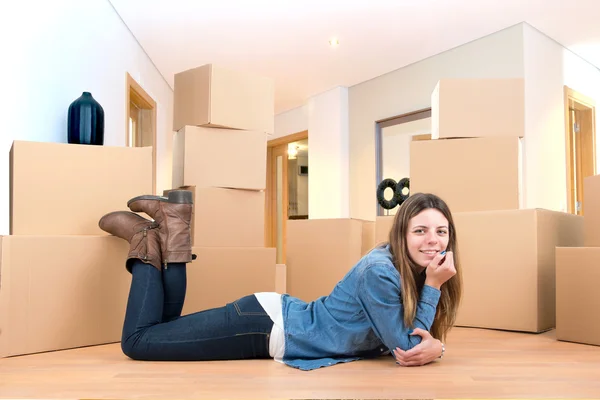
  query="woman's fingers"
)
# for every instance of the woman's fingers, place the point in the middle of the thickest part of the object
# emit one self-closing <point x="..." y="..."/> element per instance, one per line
<point x="405" y="356"/>
<point x="411" y="363"/>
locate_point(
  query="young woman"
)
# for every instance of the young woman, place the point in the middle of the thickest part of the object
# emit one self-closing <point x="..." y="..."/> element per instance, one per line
<point x="400" y="298"/>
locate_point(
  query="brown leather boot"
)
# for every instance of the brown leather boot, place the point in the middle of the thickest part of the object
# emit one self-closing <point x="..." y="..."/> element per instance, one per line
<point x="173" y="214"/>
<point x="141" y="234"/>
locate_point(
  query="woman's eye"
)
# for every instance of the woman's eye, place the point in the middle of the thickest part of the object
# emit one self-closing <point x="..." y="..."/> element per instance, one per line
<point x="442" y="232"/>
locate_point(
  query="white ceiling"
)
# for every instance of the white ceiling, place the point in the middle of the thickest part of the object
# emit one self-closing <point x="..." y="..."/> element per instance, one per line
<point x="287" y="40"/>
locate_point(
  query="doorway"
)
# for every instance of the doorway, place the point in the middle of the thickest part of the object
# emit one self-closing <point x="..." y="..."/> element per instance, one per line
<point x="286" y="195"/>
<point x="392" y="149"/>
<point x="580" y="112"/>
<point x="141" y="121"/>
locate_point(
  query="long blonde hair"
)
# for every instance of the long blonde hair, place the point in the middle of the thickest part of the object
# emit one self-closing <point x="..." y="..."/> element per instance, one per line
<point x="451" y="291"/>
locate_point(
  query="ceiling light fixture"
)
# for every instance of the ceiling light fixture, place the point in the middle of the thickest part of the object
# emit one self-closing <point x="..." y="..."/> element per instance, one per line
<point x="333" y="42"/>
<point x="292" y="151"/>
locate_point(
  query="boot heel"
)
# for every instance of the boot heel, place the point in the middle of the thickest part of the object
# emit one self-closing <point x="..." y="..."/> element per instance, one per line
<point x="180" y="197"/>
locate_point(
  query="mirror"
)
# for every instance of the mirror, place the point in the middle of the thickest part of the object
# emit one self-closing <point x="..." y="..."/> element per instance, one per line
<point x="393" y="149"/>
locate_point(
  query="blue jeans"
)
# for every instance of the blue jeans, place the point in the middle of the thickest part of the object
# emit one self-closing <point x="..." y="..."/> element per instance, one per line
<point x="155" y="330"/>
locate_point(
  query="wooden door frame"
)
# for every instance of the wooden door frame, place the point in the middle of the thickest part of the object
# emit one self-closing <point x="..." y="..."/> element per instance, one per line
<point x="578" y="100"/>
<point x="270" y="193"/>
<point x="134" y="92"/>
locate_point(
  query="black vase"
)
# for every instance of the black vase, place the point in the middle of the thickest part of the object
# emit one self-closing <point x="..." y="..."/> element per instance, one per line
<point x="86" y="121"/>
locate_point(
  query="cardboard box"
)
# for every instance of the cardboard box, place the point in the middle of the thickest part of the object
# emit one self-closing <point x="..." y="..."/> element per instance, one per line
<point x="206" y="157"/>
<point x="478" y="107"/>
<point x="61" y="292"/>
<point x="214" y="96"/>
<point x="64" y="189"/>
<point x="383" y="225"/>
<point x="591" y="210"/>
<point x="222" y="275"/>
<point x="577" y="296"/>
<point x="319" y="253"/>
<point x="368" y="237"/>
<point x="281" y="278"/>
<point x="481" y="174"/>
<point x="227" y="217"/>
<point x="508" y="264"/>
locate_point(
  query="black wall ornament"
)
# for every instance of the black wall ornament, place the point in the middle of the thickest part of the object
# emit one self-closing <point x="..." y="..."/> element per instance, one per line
<point x="402" y="184"/>
<point x="397" y="187"/>
<point x="383" y="202"/>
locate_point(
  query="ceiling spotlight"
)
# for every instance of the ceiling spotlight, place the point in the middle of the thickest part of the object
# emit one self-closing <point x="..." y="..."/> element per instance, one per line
<point x="334" y="42"/>
<point x="292" y="151"/>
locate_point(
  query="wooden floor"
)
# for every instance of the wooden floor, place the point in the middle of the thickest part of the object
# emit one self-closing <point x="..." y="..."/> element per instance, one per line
<point x="478" y="364"/>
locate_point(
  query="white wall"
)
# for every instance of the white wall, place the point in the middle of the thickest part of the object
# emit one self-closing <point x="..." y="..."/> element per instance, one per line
<point x="395" y="147"/>
<point x="290" y="122"/>
<point x="548" y="67"/>
<point x="328" y="155"/>
<point x="54" y="51"/>
<point x="499" y="55"/>
<point x="584" y="78"/>
<point x="325" y="116"/>
<point x="395" y="151"/>
<point x="544" y="167"/>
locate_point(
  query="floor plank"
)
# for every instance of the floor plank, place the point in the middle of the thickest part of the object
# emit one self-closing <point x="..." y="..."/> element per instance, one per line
<point x="479" y="363"/>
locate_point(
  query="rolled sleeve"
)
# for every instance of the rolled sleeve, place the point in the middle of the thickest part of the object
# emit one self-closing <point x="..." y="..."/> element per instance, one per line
<point x="379" y="294"/>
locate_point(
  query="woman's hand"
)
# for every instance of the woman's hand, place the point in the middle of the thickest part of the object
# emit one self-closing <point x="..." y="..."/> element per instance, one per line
<point x="440" y="270"/>
<point x="425" y="352"/>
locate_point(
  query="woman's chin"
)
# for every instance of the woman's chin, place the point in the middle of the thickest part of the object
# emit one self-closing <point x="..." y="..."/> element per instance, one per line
<point x="421" y="264"/>
<point x="421" y="261"/>
<point x="424" y="261"/>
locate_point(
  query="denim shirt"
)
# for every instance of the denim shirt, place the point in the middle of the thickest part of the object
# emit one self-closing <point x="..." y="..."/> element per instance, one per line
<point x="361" y="318"/>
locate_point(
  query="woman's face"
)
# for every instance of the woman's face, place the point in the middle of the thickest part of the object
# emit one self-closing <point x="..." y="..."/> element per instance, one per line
<point x="427" y="235"/>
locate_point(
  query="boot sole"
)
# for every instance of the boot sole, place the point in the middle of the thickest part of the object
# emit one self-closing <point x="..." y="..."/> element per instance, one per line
<point x="175" y="197"/>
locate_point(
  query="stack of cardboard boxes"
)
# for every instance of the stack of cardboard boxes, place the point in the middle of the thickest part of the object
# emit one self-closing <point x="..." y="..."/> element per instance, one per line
<point x="221" y="119"/>
<point x="578" y="274"/>
<point x="473" y="162"/>
<point x="63" y="282"/>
